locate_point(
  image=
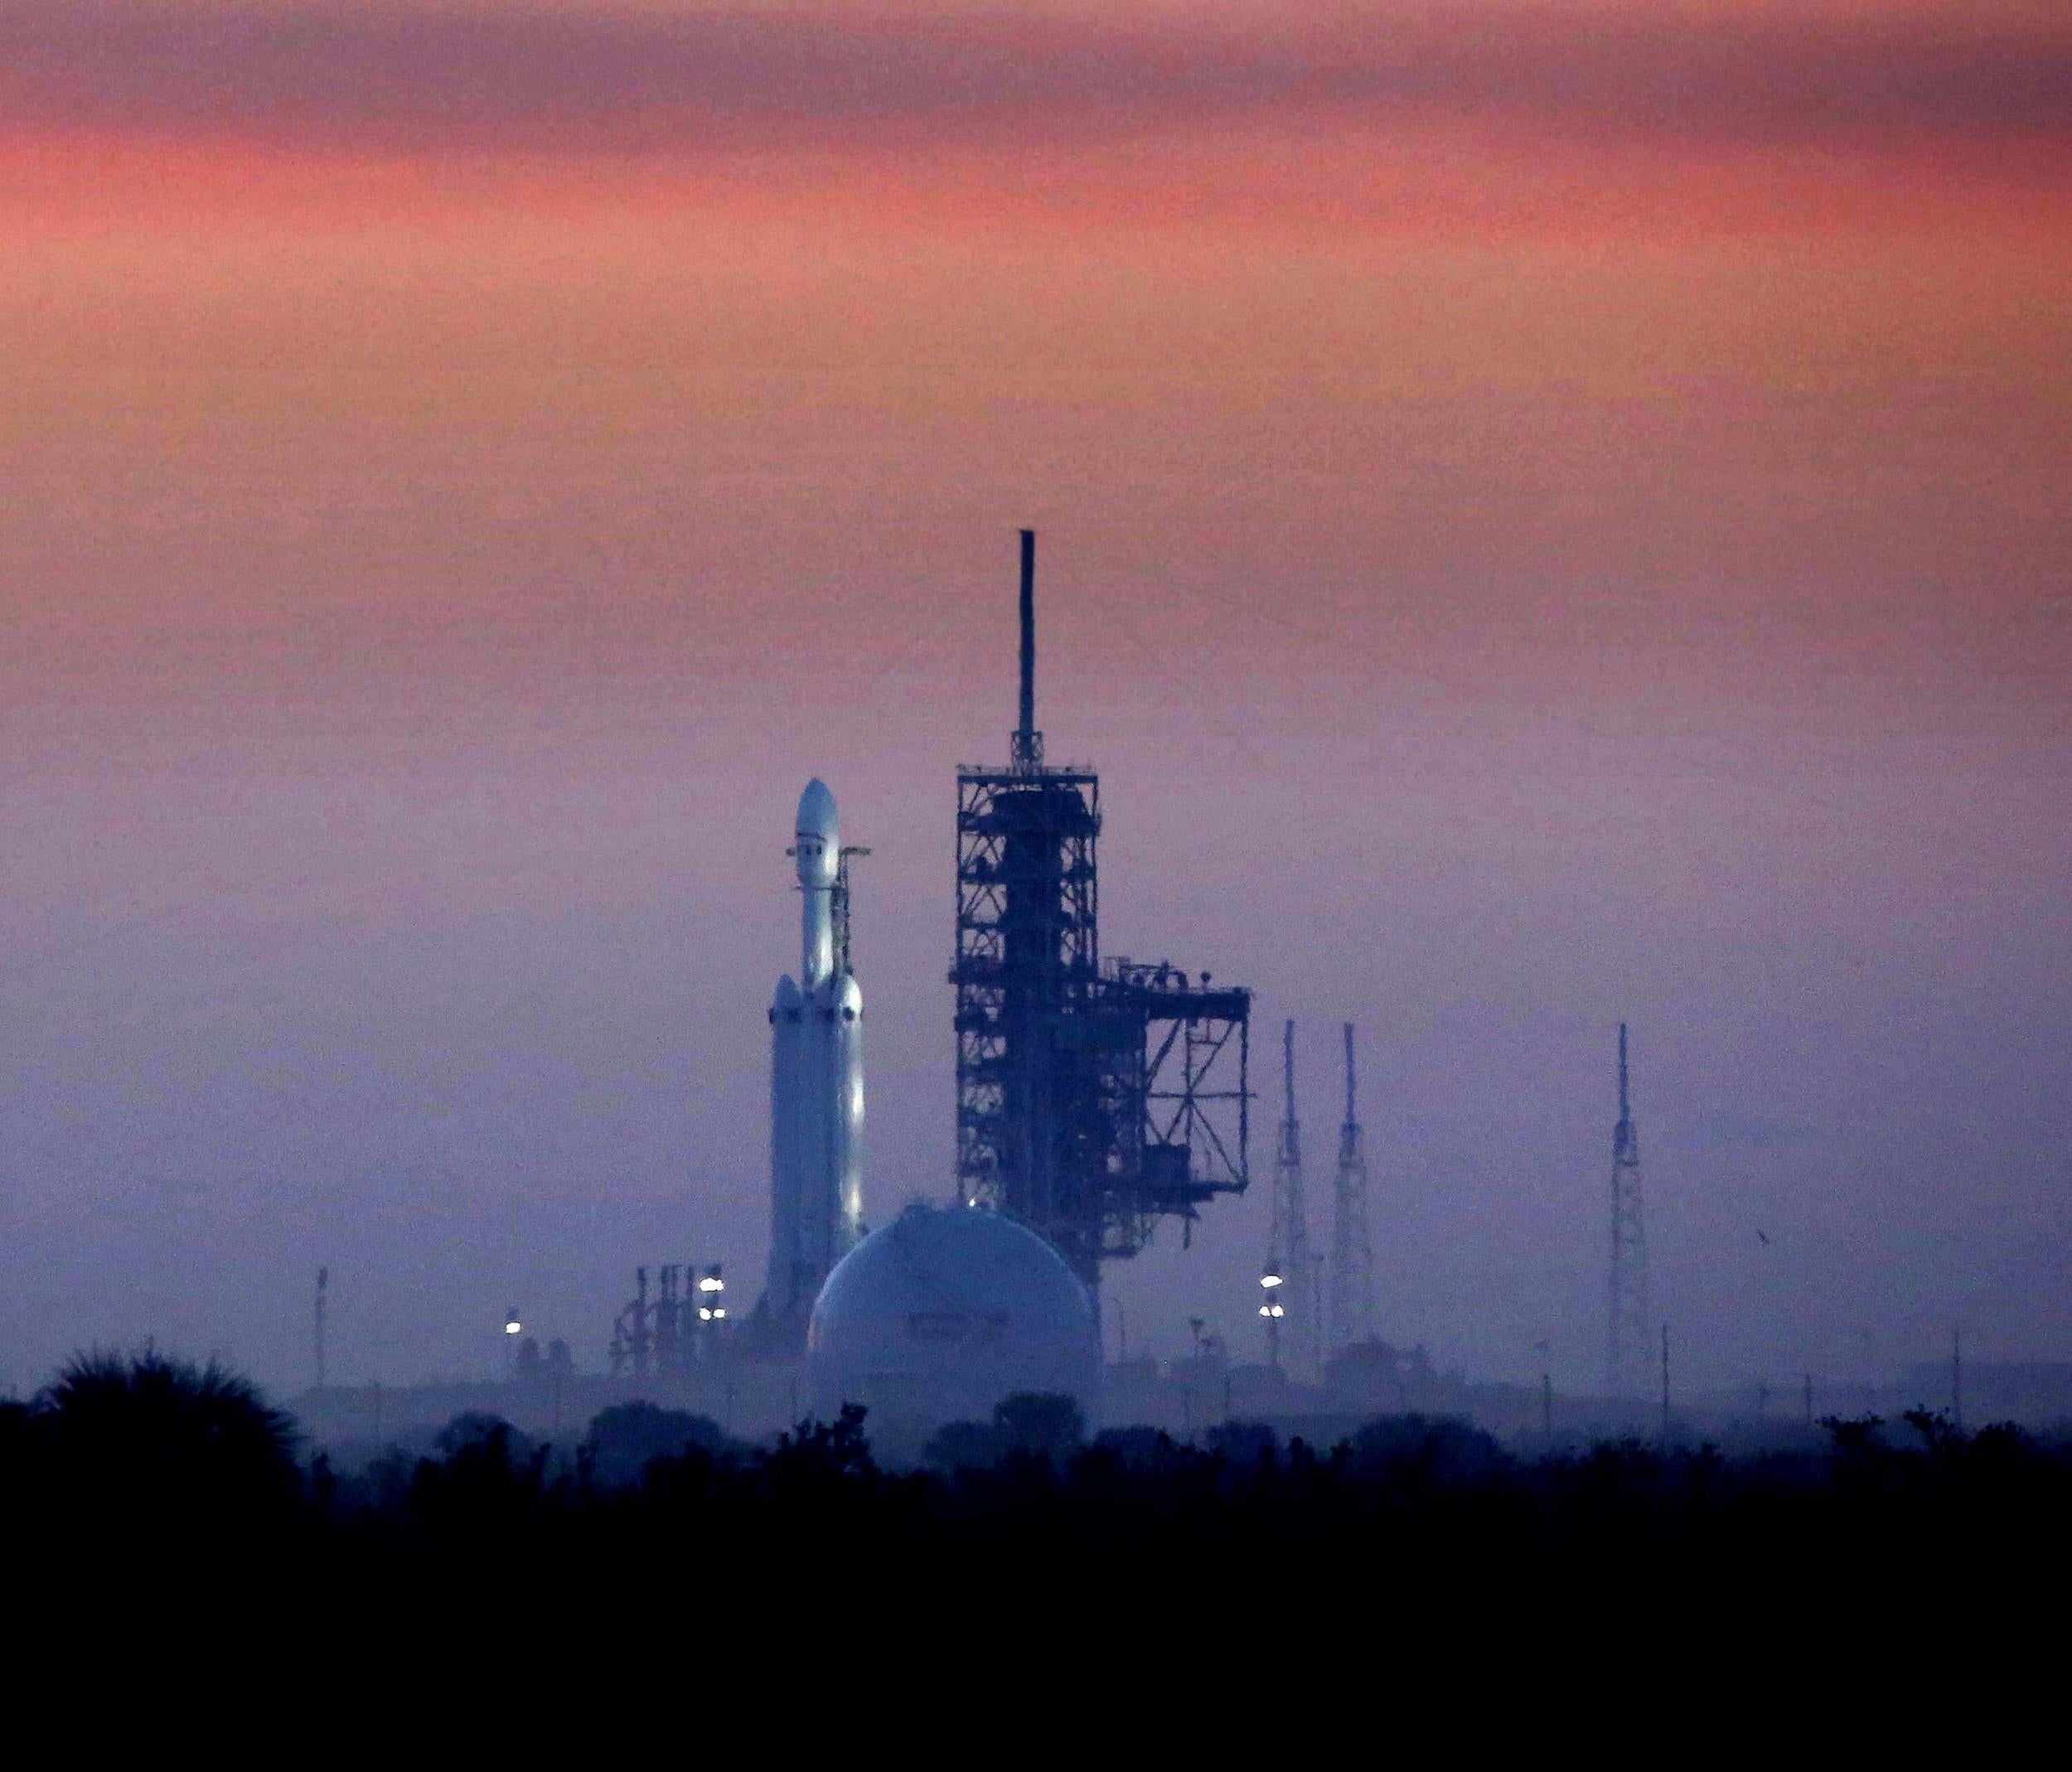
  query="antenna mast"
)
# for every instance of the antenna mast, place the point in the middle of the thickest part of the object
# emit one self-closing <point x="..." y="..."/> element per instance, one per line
<point x="1352" y="1256"/>
<point x="1626" y="1329"/>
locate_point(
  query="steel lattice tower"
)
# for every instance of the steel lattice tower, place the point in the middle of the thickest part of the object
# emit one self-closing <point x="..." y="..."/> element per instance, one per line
<point x="1352" y="1256"/>
<point x="1094" y="1096"/>
<point x="1288" y="1240"/>
<point x="1626" y="1329"/>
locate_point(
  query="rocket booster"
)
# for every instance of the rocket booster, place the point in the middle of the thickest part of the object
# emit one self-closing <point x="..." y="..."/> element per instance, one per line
<point x="816" y="1081"/>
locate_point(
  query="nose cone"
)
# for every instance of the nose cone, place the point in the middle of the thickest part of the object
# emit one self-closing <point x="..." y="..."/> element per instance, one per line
<point x="816" y="812"/>
<point x="819" y="836"/>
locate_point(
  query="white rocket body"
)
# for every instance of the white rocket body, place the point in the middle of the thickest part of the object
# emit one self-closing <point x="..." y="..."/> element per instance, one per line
<point x="817" y="1084"/>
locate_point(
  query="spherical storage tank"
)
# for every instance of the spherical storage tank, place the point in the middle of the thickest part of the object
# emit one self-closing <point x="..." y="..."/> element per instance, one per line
<point x="946" y="1310"/>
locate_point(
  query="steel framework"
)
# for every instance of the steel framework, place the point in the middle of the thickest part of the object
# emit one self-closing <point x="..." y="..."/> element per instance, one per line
<point x="1626" y="1326"/>
<point x="1352" y="1256"/>
<point x="1092" y="1099"/>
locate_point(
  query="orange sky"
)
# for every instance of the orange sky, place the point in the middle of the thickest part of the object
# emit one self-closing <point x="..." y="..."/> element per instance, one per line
<point x="274" y="271"/>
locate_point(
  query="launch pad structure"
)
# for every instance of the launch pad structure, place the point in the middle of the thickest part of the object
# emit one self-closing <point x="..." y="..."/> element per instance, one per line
<point x="1093" y="1097"/>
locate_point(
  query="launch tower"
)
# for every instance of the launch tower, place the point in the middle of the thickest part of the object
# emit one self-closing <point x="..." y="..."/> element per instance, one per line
<point x="1093" y="1098"/>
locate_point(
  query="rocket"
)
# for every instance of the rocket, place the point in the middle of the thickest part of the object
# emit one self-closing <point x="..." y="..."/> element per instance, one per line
<point x="816" y="1078"/>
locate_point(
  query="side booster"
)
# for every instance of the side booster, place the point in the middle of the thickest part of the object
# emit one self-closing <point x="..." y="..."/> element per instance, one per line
<point x="816" y="1081"/>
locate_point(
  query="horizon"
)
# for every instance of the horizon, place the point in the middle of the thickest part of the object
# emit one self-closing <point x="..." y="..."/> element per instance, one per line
<point x="1546" y="522"/>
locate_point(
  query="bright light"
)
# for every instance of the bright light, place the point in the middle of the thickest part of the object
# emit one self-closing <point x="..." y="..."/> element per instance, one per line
<point x="721" y="1312"/>
<point x="705" y="1314"/>
<point x="513" y="1326"/>
<point x="1270" y="1280"/>
<point x="1275" y="1310"/>
<point x="712" y="1283"/>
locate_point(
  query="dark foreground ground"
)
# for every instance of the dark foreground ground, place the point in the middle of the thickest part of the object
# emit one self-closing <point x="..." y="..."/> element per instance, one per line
<point x="166" y="1496"/>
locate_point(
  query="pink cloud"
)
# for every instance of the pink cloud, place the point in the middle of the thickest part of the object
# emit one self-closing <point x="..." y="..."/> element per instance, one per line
<point x="358" y="76"/>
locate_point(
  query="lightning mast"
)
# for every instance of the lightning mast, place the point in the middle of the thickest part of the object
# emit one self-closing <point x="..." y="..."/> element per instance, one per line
<point x="1626" y="1329"/>
<point x="1352" y="1256"/>
<point x="1288" y="1240"/>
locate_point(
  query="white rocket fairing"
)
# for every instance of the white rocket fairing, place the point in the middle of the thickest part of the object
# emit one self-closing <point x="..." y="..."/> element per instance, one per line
<point x="816" y="1081"/>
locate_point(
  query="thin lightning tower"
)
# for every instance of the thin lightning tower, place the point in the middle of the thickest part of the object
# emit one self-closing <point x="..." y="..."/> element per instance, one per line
<point x="1626" y="1330"/>
<point x="1352" y="1259"/>
<point x="1288" y="1245"/>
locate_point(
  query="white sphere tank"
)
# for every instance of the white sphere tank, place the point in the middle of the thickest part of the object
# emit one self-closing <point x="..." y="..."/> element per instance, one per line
<point x="939" y="1314"/>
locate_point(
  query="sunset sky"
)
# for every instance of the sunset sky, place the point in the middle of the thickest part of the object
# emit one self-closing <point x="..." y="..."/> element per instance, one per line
<point x="1550" y="512"/>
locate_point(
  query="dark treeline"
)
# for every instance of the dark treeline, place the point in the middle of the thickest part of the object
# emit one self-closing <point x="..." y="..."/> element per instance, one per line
<point x="155" y="1460"/>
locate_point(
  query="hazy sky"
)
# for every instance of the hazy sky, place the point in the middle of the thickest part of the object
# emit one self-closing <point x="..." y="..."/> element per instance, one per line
<point x="1550" y="513"/>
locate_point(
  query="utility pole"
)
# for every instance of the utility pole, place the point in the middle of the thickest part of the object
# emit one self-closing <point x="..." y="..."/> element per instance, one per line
<point x="1957" y="1375"/>
<point x="1352" y="1256"/>
<point x="1628" y="1317"/>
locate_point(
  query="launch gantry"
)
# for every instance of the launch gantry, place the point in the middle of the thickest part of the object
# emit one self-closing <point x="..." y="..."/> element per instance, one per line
<point x="1093" y="1099"/>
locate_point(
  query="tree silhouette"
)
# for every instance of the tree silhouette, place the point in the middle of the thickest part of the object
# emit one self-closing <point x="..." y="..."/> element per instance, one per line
<point x="1940" y="1435"/>
<point x="145" y="1443"/>
<point x="1854" y="1439"/>
<point x="962" y="1445"/>
<point x="1048" y="1424"/>
<point x="626" y="1439"/>
<point x="475" y="1430"/>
